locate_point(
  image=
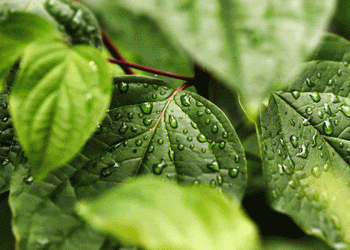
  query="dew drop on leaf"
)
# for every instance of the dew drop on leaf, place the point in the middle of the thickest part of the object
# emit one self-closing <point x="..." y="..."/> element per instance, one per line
<point x="320" y="114"/>
<point x="219" y="179"/>
<point x="160" y="141"/>
<point x="194" y="125"/>
<point x="199" y="104"/>
<point x="173" y="121"/>
<point x="328" y="127"/>
<point x="308" y="110"/>
<point x="237" y="159"/>
<point x="222" y="145"/>
<point x="294" y="140"/>
<point x="213" y="184"/>
<point x="185" y="131"/>
<point x="123" y="87"/>
<point x="150" y="149"/>
<point x="310" y="83"/>
<point x="131" y="115"/>
<point x="315" y="96"/>
<point x="185" y="100"/>
<point x="295" y="94"/>
<point x="138" y="142"/>
<point x="28" y="180"/>
<point x="133" y="128"/>
<point x="201" y="138"/>
<point x="180" y="147"/>
<point x="233" y="172"/>
<point x="213" y="166"/>
<point x="123" y="128"/>
<point x="158" y="168"/>
<point x="214" y="128"/>
<point x="5" y="162"/>
<point x="200" y="113"/>
<point x="189" y="138"/>
<point x="224" y="135"/>
<point x="304" y="151"/>
<point x="319" y="75"/>
<point x="345" y="109"/>
<point x="147" y="121"/>
<point x="171" y="155"/>
<point x="208" y="111"/>
<point x="316" y="171"/>
<point x="146" y="107"/>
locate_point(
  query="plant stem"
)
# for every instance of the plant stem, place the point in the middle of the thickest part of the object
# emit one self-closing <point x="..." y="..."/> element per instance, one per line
<point x="151" y="70"/>
<point x="115" y="53"/>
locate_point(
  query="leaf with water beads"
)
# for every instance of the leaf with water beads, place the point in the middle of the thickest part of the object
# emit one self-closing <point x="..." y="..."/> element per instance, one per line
<point x="308" y="176"/>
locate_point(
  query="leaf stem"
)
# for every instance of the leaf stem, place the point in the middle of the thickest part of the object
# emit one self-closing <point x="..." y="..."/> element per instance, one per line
<point x="151" y="70"/>
<point x="115" y="53"/>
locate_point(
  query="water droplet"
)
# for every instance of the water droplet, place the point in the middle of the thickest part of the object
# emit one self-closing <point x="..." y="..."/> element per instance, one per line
<point x="327" y="109"/>
<point x="185" y="100"/>
<point x="292" y="122"/>
<point x="320" y="114"/>
<point x="282" y="142"/>
<point x="224" y="135"/>
<point x="214" y="128"/>
<point x="196" y="182"/>
<point x="123" y="87"/>
<point x="222" y="145"/>
<point x="233" y="172"/>
<point x="191" y="146"/>
<point x="294" y="140"/>
<point x="341" y="144"/>
<point x="146" y="107"/>
<point x="138" y="142"/>
<point x="28" y="180"/>
<point x="214" y="166"/>
<point x="326" y="167"/>
<point x="346" y="63"/>
<point x="237" y="159"/>
<point x="339" y="72"/>
<point x="309" y="110"/>
<point x="147" y="121"/>
<point x="194" y="125"/>
<point x="118" y="116"/>
<point x="330" y="82"/>
<point x="201" y="138"/>
<point x="140" y="115"/>
<point x="133" y="128"/>
<point x="200" y="113"/>
<point x="306" y="122"/>
<point x="180" y="147"/>
<point x="190" y="138"/>
<point x="185" y="131"/>
<point x="158" y="168"/>
<point x="213" y="184"/>
<point x="131" y="115"/>
<point x="315" y="96"/>
<point x="304" y="151"/>
<point x="328" y="127"/>
<point x="154" y="96"/>
<point x="150" y="149"/>
<point x="199" y="104"/>
<point x="335" y="98"/>
<point x="314" y="141"/>
<point x="171" y="155"/>
<point x="208" y="111"/>
<point x="295" y="94"/>
<point x="160" y="141"/>
<point x="172" y="121"/>
<point x="345" y="109"/>
<point x="203" y="150"/>
<point x="319" y="75"/>
<point x="123" y="128"/>
<point x="316" y="171"/>
<point x="310" y="83"/>
<point x="5" y="162"/>
<point x="162" y="92"/>
<point x="219" y="179"/>
<point x="109" y="170"/>
<point x="336" y="122"/>
<point x="207" y="121"/>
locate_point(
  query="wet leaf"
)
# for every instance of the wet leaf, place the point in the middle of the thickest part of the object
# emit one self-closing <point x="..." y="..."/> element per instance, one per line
<point x="187" y="217"/>
<point x="308" y="175"/>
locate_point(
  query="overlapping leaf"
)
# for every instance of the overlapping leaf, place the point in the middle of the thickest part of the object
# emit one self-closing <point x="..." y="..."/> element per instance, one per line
<point x="160" y="215"/>
<point x="191" y="142"/>
<point x="59" y="96"/>
<point x="252" y="45"/>
<point x="305" y="134"/>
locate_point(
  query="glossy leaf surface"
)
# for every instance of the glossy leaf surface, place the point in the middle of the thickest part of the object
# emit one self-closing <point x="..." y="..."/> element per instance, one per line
<point x="59" y="96"/>
<point x="160" y="215"/>
<point x="253" y="45"/>
<point x="121" y="148"/>
<point x="306" y="145"/>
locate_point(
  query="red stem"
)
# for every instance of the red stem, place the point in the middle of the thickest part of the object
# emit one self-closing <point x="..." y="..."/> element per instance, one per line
<point x="115" y="53"/>
<point x="151" y="70"/>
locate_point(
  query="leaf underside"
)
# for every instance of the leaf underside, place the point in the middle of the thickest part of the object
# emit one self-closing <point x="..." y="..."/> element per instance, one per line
<point x="305" y="134"/>
<point x="128" y="143"/>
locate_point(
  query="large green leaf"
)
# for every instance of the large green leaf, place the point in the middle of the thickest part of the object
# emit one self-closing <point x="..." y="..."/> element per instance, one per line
<point x="143" y="36"/>
<point x="59" y="96"/>
<point x="305" y="133"/>
<point x="114" y="154"/>
<point x="14" y="36"/>
<point x="75" y="22"/>
<point x="252" y="45"/>
<point x="160" y="215"/>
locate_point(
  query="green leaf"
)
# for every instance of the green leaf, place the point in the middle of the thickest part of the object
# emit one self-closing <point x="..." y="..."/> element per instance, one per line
<point x="110" y="157"/>
<point x="143" y="36"/>
<point x="14" y="36"/>
<point x="59" y="96"/>
<point x="252" y="45"/>
<point x="306" y="144"/>
<point x="186" y="218"/>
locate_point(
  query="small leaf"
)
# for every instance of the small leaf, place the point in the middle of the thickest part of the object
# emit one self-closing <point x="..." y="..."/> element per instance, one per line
<point x="186" y="218"/>
<point x="14" y="36"/>
<point x="59" y="96"/>
<point x="308" y="175"/>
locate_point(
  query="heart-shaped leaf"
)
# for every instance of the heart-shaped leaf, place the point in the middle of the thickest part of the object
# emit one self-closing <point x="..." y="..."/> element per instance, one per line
<point x="159" y="215"/>
<point x="305" y="132"/>
<point x="59" y="96"/>
<point x="128" y="143"/>
<point x="253" y="45"/>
